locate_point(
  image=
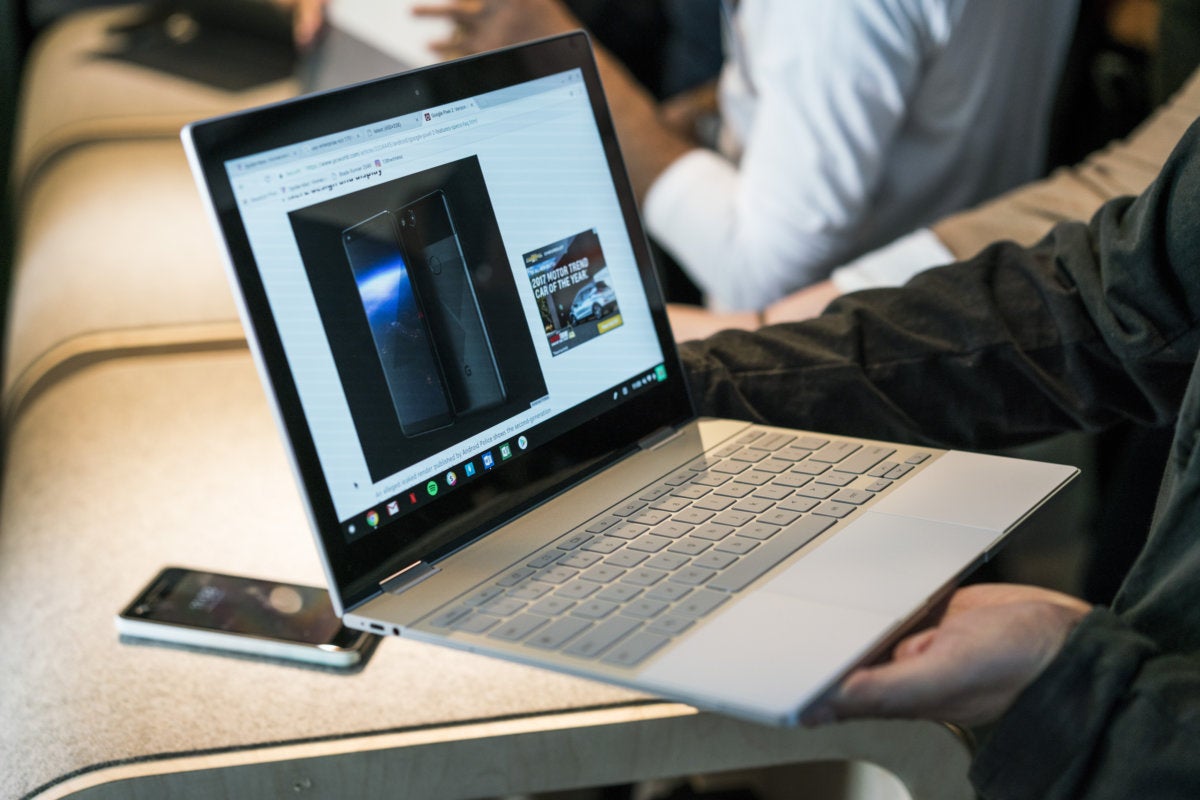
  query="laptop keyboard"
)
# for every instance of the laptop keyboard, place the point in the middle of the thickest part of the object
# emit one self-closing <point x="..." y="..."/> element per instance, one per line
<point x="620" y="587"/>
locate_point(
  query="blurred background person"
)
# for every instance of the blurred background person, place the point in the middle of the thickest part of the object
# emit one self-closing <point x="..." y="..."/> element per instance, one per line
<point x="842" y="126"/>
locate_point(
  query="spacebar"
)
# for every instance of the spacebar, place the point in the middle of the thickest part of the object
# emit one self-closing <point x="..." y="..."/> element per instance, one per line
<point x="740" y="574"/>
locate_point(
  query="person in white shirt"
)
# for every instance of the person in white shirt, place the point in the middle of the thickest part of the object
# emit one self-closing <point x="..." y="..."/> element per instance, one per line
<point x="845" y="125"/>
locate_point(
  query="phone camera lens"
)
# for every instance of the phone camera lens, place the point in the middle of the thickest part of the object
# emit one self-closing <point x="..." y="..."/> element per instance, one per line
<point x="410" y="218"/>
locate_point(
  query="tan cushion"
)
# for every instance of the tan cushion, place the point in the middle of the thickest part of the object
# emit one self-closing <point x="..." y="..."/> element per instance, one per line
<point x="69" y="97"/>
<point x="112" y="238"/>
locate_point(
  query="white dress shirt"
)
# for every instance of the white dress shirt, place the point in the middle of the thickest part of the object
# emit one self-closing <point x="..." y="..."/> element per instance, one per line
<point x="849" y="123"/>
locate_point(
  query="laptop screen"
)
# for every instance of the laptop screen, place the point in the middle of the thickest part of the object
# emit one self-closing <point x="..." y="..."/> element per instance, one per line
<point x="450" y="293"/>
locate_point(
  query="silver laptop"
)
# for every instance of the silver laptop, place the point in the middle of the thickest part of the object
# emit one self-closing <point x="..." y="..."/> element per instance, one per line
<point x="447" y="288"/>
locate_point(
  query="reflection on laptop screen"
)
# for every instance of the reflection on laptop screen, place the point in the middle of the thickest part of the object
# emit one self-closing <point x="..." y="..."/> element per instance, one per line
<point x="473" y="277"/>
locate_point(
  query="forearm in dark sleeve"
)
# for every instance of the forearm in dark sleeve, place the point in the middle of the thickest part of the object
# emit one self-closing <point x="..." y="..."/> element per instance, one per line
<point x="1094" y="324"/>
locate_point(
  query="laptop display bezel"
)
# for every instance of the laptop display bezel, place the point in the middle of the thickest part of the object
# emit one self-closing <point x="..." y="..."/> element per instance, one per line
<point x="355" y="569"/>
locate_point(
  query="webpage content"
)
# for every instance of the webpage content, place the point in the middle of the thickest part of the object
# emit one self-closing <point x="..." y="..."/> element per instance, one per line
<point x="444" y="282"/>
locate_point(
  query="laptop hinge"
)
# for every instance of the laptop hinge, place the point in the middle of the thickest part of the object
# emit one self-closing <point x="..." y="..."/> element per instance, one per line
<point x="658" y="438"/>
<point x="408" y="577"/>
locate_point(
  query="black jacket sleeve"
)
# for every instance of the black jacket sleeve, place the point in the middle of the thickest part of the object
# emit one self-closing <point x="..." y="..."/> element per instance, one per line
<point x="1094" y="324"/>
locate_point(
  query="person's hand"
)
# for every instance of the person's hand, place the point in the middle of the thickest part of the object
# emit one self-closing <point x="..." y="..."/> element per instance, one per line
<point x="987" y="644"/>
<point x="308" y="18"/>
<point x="803" y="304"/>
<point x="481" y="25"/>
<point x="683" y="112"/>
<point x="693" y="322"/>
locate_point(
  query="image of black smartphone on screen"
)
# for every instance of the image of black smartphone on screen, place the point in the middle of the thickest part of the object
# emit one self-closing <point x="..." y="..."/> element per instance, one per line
<point x="443" y="279"/>
<point x="397" y="321"/>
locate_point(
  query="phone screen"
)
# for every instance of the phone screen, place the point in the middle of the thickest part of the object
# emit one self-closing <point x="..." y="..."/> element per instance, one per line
<point x="239" y="605"/>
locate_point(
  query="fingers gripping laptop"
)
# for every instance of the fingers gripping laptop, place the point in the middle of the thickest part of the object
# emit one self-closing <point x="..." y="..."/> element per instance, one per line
<point x="448" y="292"/>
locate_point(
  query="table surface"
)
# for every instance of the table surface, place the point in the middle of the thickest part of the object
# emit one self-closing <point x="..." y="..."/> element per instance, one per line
<point x="139" y="461"/>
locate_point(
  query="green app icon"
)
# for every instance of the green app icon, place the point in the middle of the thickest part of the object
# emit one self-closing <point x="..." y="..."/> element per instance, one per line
<point x="660" y="372"/>
<point x="432" y="488"/>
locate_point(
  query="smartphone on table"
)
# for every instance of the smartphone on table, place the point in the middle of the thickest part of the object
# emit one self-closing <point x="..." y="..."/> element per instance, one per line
<point x="244" y="615"/>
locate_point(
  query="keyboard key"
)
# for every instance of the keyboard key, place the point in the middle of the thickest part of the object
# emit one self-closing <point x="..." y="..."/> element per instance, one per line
<point x="711" y="479"/>
<point x="774" y="550"/>
<point x="645" y="576"/>
<point x="774" y="441"/>
<point x="673" y="529"/>
<point x="754" y="477"/>
<point x="832" y="509"/>
<point x="774" y="465"/>
<point x="714" y="560"/>
<point x="573" y="541"/>
<point x="731" y="467"/>
<point x="789" y="481"/>
<point x="670" y="625"/>
<point x="603" y="524"/>
<point x="578" y="589"/>
<point x="759" y="531"/>
<point x="689" y="546"/>
<point x="628" y="508"/>
<point x="813" y="491"/>
<point x="734" y="490"/>
<point x="810" y="468"/>
<point x="594" y="609"/>
<point x="692" y="576"/>
<point x="483" y="595"/>
<point x="516" y="629"/>
<point x="554" y="635"/>
<point x="580" y="560"/>
<point x="603" y="574"/>
<point x="627" y="530"/>
<point x="755" y="505"/>
<point x="448" y="618"/>
<point x="917" y="458"/>
<point x="552" y="606"/>
<point x="898" y="471"/>
<point x="714" y="503"/>
<point x="699" y="603"/>
<point x="811" y="442"/>
<point x="670" y="504"/>
<point x="649" y="544"/>
<point x="635" y="649"/>
<point x="667" y="561"/>
<point x="514" y="577"/>
<point x="733" y="517"/>
<point x="878" y="485"/>
<point x="543" y="559"/>
<point x="737" y="545"/>
<point x="669" y="591"/>
<point x="604" y="545"/>
<point x="644" y="608"/>
<point x="865" y="459"/>
<point x="837" y="478"/>
<point x="602" y="637"/>
<point x="652" y="494"/>
<point x="712" y="532"/>
<point x="834" y="452"/>
<point x="502" y="607"/>
<point x="529" y="591"/>
<point x="651" y="517"/>
<point x="749" y="454"/>
<point x="626" y="559"/>
<point x="555" y="574"/>
<point x="618" y="593"/>
<point x="694" y="516"/>
<point x="691" y="492"/>
<point x="854" y="496"/>
<point x="798" y="505"/>
<point x="778" y="516"/>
